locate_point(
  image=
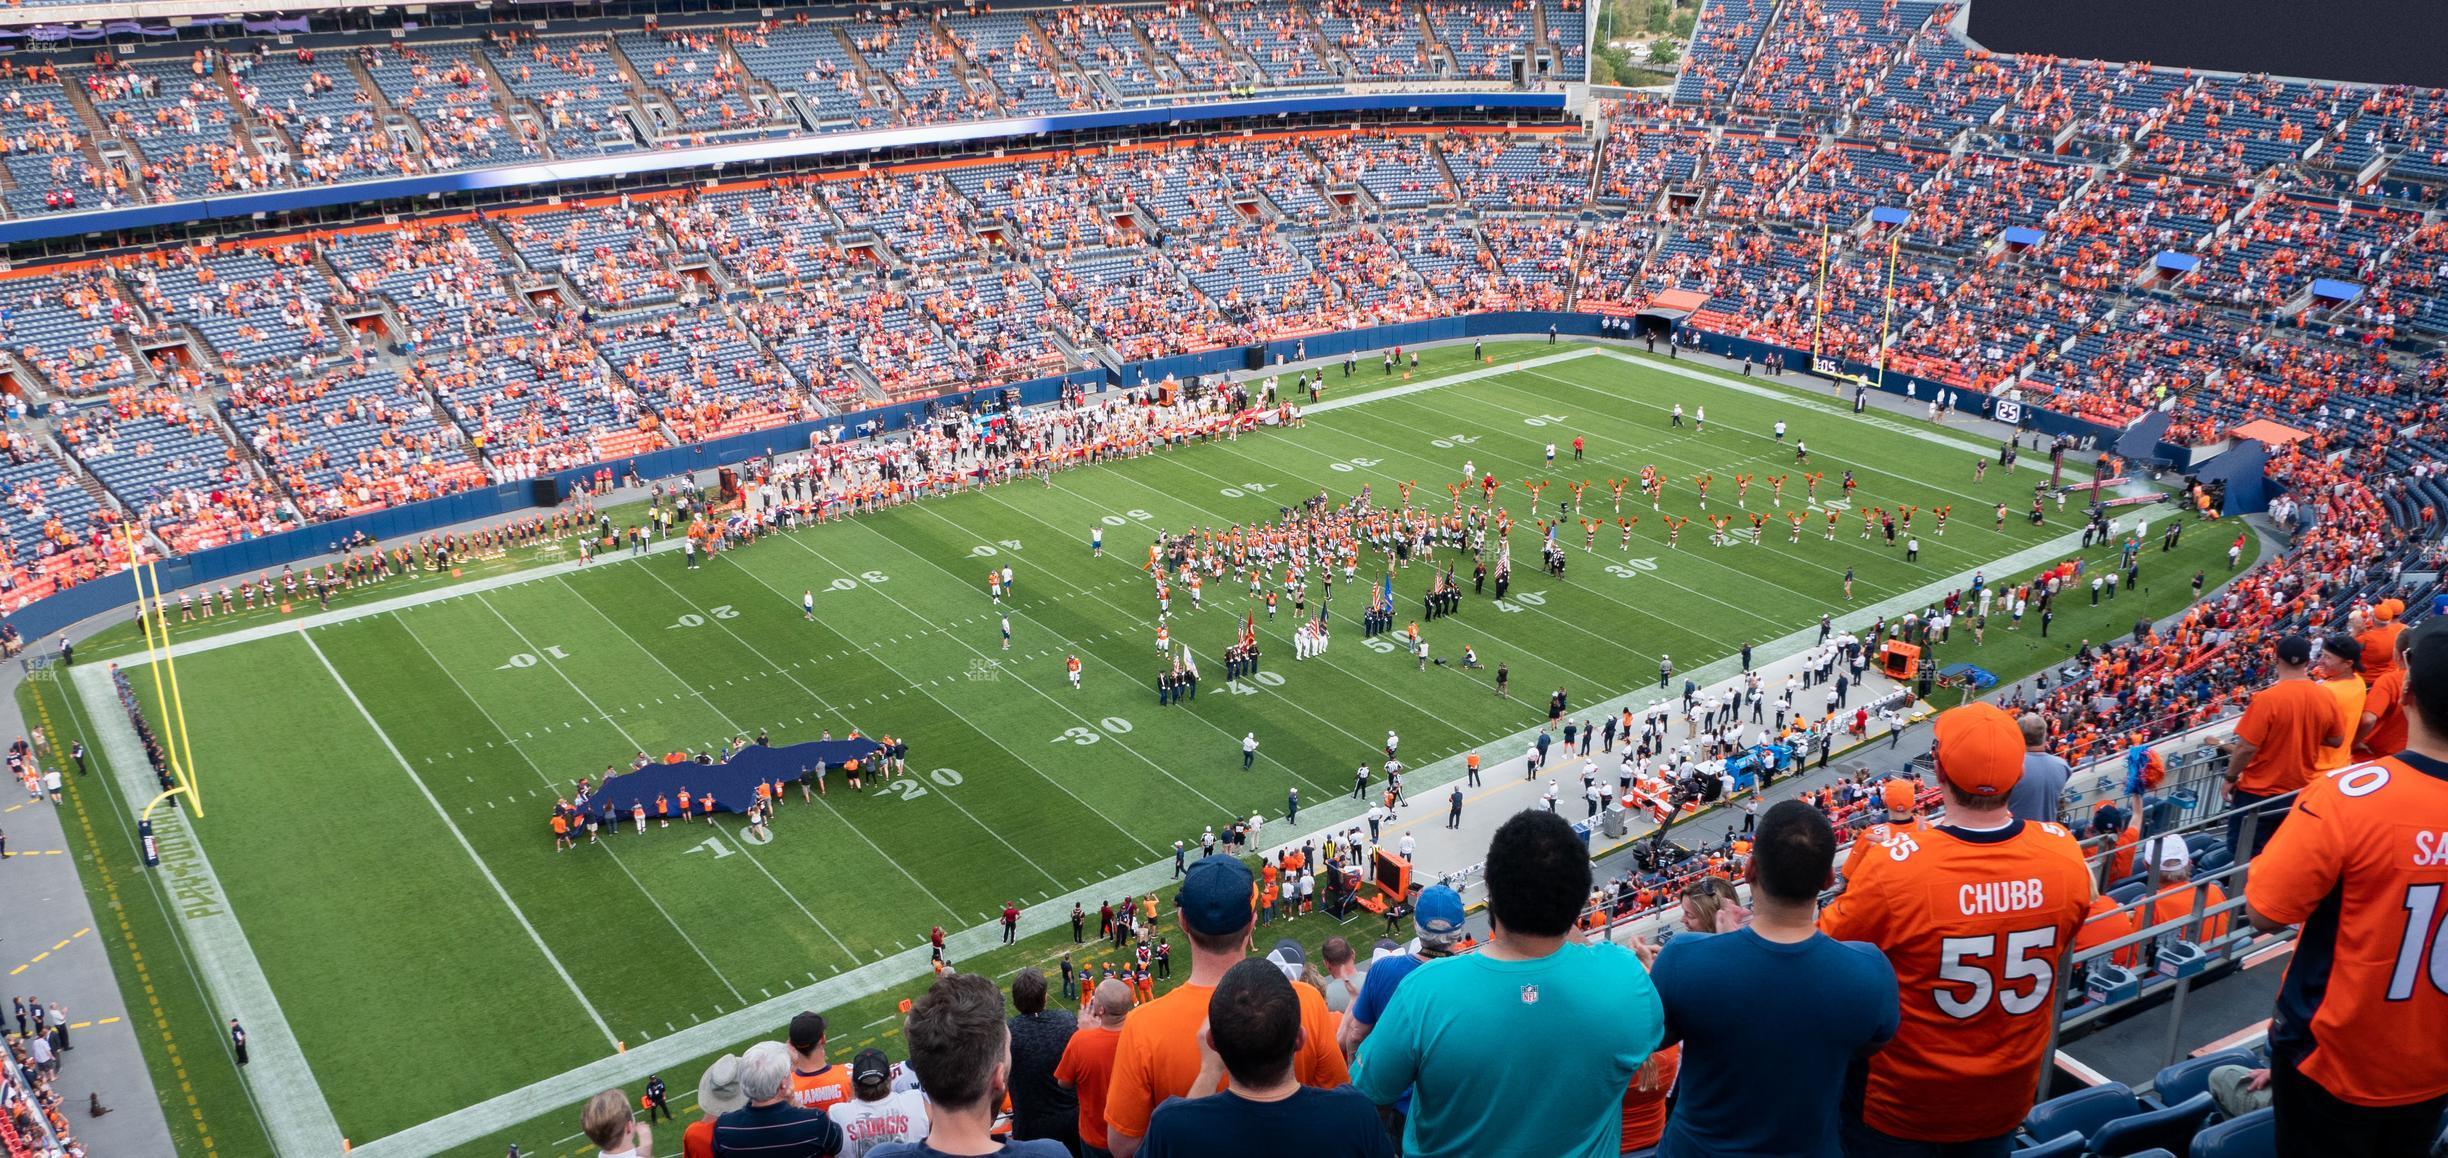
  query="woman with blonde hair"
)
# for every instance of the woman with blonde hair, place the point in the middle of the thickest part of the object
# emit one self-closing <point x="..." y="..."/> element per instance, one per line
<point x="1710" y="905"/>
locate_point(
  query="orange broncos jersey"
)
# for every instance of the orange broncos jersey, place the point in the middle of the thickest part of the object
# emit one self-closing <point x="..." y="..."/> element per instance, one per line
<point x="1876" y="837"/>
<point x="1977" y="925"/>
<point x="2362" y="864"/>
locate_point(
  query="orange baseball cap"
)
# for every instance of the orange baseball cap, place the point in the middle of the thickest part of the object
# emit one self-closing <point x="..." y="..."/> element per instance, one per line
<point x="1979" y="749"/>
<point x="1897" y="795"/>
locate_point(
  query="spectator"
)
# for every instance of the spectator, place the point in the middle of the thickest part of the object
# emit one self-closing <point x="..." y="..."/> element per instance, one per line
<point x="1775" y="1004"/>
<point x="815" y="1083"/>
<point x="1254" y="1027"/>
<point x="612" y="1126"/>
<point x="2355" y="1064"/>
<point x="1087" y="1060"/>
<point x="1456" y="1029"/>
<point x="876" y="1113"/>
<point x="2383" y="730"/>
<point x="1342" y="979"/>
<point x="961" y="1052"/>
<point x="718" y="1093"/>
<point x="2040" y="794"/>
<point x="1975" y="915"/>
<point x="769" y="1126"/>
<point x="2179" y="898"/>
<point x="2339" y="668"/>
<point x="1711" y="905"/>
<point x="1438" y="916"/>
<point x="1158" y="1054"/>
<point x="2276" y="744"/>
<point x="1041" y="1108"/>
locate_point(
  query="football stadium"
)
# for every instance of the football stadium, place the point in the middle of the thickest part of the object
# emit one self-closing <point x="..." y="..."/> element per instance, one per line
<point x="1329" y="577"/>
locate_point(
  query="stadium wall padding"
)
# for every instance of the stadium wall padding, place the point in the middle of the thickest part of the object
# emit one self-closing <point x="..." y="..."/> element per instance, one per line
<point x="2035" y="418"/>
<point x="62" y="610"/>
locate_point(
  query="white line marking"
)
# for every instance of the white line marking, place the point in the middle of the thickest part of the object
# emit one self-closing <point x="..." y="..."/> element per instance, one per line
<point x="461" y="837"/>
<point x="548" y="782"/>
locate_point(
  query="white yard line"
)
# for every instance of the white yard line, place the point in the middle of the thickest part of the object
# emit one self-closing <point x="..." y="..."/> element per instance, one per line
<point x="838" y="714"/>
<point x="1409" y="388"/>
<point x="301" y="1121"/>
<point x="609" y="1037"/>
<point x="753" y="858"/>
<point x="510" y="1109"/>
<point x="550" y="786"/>
<point x="1030" y="685"/>
<point x="291" y="1102"/>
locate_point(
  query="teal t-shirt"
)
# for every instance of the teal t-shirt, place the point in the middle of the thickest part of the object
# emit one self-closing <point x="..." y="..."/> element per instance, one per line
<point x="1525" y="1058"/>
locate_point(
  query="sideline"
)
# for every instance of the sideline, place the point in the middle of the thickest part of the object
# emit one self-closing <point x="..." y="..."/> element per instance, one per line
<point x="287" y="1097"/>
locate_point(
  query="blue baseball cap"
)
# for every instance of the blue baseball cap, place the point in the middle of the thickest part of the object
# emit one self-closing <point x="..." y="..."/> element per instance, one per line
<point x="1215" y="896"/>
<point x="1438" y="913"/>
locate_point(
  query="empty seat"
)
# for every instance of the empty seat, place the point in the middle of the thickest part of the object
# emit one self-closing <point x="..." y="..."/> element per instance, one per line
<point x="2067" y="1146"/>
<point x="2080" y="1112"/>
<point x="2179" y="1082"/>
<point x="2255" y="1135"/>
<point x="2173" y="1126"/>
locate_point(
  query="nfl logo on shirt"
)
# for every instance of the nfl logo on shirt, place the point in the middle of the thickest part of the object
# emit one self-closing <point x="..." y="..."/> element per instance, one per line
<point x="1529" y="994"/>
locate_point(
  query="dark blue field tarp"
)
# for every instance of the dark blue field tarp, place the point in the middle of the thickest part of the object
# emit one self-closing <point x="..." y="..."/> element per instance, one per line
<point x="733" y="782"/>
<point x="2241" y="468"/>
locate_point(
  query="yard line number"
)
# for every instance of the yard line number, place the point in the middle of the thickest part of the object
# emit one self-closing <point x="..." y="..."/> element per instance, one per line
<point x="1263" y="679"/>
<point x="528" y="659"/>
<point x="908" y="787"/>
<point x="1113" y="725"/>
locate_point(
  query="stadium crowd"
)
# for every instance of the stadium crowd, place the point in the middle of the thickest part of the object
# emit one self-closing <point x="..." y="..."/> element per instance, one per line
<point x="1859" y="1011"/>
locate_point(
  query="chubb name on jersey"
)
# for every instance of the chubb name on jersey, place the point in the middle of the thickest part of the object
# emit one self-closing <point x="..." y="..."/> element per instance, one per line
<point x="1991" y="897"/>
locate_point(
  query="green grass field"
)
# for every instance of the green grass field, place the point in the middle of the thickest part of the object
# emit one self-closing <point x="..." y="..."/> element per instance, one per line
<point x="377" y="787"/>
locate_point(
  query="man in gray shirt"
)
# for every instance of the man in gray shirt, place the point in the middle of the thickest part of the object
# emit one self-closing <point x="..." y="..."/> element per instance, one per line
<point x="2041" y="792"/>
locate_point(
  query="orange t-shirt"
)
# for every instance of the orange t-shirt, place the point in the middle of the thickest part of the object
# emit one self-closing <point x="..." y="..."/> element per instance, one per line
<point x="818" y="1089"/>
<point x="2385" y="704"/>
<point x="1158" y="1056"/>
<point x="2349" y="692"/>
<point x="2379" y="649"/>
<point x="2285" y="723"/>
<point x="698" y="1140"/>
<point x="2106" y="923"/>
<point x="2176" y="902"/>
<point x="1644" y="1111"/>
<point x="1976" y="925"/>
<point x="1087" y="1063"/>
<point x="2362" y="864"/>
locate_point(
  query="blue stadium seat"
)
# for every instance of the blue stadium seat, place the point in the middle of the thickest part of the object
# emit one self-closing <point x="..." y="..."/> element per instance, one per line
<point x="2080" y="1112"/>
<point x="2128" y="893"/>
<point x="2152" y="1129"/>
<point x="2255" y="1135"/>
<point x="2179" y="1082"/>
<point x="2067" y="1146"/>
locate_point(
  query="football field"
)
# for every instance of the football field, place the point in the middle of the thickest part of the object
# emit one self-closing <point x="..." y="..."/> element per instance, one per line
<point x="378" y="779"/>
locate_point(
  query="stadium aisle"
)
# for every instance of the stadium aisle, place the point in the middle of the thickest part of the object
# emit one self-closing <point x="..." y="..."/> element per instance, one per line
<point x="52" y="948"/>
